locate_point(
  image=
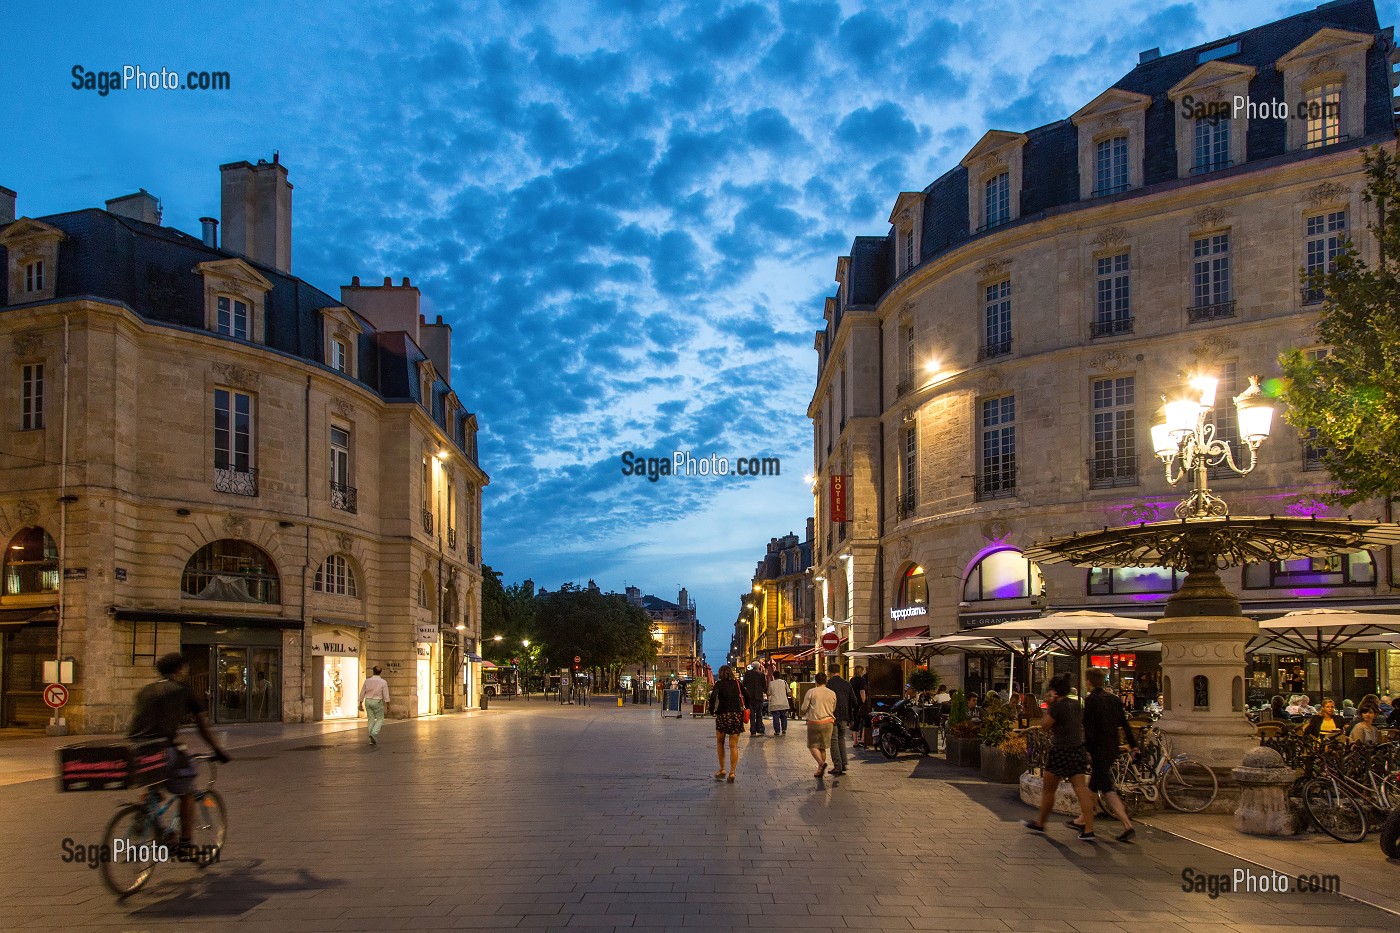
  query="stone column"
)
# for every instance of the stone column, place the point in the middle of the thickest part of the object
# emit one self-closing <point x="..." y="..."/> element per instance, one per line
<point x="1264" y="783"/>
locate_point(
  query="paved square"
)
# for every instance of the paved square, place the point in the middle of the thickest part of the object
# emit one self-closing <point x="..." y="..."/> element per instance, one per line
<point x="535" y="816"/>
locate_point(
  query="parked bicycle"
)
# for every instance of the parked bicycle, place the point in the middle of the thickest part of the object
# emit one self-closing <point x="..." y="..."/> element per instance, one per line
<point x="1348" y="789"/>
<point x="148" y="832"/>
<point x="1182" y="782"/>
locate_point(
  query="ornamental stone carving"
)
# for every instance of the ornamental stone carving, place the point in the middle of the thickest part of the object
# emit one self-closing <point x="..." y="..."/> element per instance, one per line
<point x="1327" y="193"/>
<point x="994" y="269"/>
<point x="28" y="511"/>
<point x="1213" y="347"/>
<point x="992" y="380"/>
<point x="1137" y="513"/>
<point x="996" y="531"/>
<point x="1208" y="217"/>
<point x="1110" y="236"/>
<point x="237" y="376"/>
<point x="1110" y="361"/>
<point x="1324" y="64"/>
<point x="28" y="344"/>
<point x="343" y="541"/>
<point x="236" y="525"/>
<point x="906" y="548"/>
<point x="342" y="408"/>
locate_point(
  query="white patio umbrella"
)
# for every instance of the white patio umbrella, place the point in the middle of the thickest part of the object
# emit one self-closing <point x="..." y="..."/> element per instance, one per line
<point x="1321" y="632"/>
<point x="1078" y="634"/>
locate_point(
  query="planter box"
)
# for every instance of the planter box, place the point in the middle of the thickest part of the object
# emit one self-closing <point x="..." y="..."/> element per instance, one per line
<point x="1000" y="767"/>
<point x="930" y="734"/>
<point x="966" y="753"/>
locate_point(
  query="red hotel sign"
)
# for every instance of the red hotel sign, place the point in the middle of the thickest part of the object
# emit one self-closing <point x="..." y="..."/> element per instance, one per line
<point x="839" y="491"/>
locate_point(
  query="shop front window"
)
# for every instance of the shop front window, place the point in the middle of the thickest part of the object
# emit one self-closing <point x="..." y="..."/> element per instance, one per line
<point x="31" y="563"/>
<point x="1004" y="574"/>
<point x="231" y="571"/>
<point x="340" y="683"/>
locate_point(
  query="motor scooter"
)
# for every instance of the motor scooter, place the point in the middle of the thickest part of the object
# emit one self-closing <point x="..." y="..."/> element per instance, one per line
<point x="897" y="730"/>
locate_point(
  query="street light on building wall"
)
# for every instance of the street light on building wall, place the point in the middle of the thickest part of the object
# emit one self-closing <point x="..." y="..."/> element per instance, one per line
<point x="1186" y="441"/>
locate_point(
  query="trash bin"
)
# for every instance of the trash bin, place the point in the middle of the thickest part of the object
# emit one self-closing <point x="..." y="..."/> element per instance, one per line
<point x="671" y="703"/>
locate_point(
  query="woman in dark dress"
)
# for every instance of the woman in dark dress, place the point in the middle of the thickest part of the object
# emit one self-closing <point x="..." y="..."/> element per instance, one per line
<point x="727" y="703"/>
<point x="1068" y="760"/>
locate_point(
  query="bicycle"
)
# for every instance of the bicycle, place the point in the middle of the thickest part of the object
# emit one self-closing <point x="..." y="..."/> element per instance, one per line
<point x="1183" y="782"/>
<point x="1344" y="788"/>
<point x="147" y="830"/>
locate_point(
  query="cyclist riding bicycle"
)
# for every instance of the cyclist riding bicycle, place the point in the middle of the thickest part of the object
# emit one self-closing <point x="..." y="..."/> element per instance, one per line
<point x="161" y="709"/>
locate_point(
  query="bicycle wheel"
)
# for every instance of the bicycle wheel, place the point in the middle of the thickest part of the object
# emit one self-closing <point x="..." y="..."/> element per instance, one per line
<point x="210" y="824"/>
<point x="126" y="872"/>
<point x="1334" y="810"/>
<point x="1390" y="792"/>
<point x="1188" y="785"/>
<point x="1390" y="834"/>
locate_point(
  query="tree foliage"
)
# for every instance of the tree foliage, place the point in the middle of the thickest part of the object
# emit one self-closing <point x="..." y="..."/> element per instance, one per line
<point x="1349" y="400"/>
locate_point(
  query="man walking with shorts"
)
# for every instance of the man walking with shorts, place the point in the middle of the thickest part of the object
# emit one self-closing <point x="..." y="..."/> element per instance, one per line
<point x="1103" y="718"/>
<point x="819" y="710"/>
<point x="374" y="700"/>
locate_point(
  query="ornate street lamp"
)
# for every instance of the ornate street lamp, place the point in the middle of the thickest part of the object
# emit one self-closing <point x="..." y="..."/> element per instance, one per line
<point x="1187" y="444"/>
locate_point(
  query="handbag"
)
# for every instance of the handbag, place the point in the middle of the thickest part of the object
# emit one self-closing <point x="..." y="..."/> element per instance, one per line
<point x="746" y="715"/>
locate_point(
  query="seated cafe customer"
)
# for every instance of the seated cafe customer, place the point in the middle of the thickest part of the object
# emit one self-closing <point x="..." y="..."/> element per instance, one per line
<point x="1326" y="723"/>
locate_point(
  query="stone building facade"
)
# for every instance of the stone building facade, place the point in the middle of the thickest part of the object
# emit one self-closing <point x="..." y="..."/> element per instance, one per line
<point x="676" y="628"/>
<point x="990" y="368"/>
<point x="777" y="621"/>
<point x="205" y="454"/>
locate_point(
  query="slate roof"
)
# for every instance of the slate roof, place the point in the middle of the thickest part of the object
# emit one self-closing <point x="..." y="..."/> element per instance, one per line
<point x="150" y="269"/>
<point x="1050" y="163"/>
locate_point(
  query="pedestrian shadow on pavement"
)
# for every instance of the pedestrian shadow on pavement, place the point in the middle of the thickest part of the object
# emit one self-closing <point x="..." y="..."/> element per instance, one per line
<point x="226" y="890"/>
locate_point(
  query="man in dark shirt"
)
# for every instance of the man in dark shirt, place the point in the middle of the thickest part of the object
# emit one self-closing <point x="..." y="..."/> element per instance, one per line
<point x="161" y="709"/>
<point x="1103" y="719"/>
<point x="860" y="689"/>
<point x="845" y="706"/>
<point x="755" y="685"/>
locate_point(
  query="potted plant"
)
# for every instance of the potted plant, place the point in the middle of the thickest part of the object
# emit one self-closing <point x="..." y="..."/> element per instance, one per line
<point x="964" y="734"/>
<point x="1005" y="763"/>
<point x="997" y="724"/>
<point x="923" y="681"/>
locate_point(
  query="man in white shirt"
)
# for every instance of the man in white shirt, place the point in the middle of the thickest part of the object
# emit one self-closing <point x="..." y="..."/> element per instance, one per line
<point x="942" y="696"/>
<point x="374" y="700"/>
<point x="819" y="710"/>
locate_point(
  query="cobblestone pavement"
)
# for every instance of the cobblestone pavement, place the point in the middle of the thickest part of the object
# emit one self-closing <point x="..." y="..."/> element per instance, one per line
<point x="536" y="816"/>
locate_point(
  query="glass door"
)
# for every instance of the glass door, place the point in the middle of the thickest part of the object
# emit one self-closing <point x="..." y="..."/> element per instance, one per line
<point x="265" y="700"/>
<point x="231" y="684"/>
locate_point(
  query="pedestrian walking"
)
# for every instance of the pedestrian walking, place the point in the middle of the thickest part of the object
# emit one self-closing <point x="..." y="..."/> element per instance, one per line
<point x="755" y="686"/>
<point x="860" y="688"/>
<point x="845" y="711"/>
<point x="1068" y="759"/>
<point x="1104" y="720"/>
<point x="778" y="704"/>
<point x="374" y="700"/>
<point x="727" y="705"/>
<point x="819" y="710"/>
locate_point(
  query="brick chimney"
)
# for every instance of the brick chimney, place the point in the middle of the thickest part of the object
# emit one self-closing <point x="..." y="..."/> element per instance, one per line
<point x="255" y="202"/>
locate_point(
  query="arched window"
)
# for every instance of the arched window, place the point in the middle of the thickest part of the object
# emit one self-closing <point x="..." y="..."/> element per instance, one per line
<point x="231" y="571"/>
<point x="427" y="591"/>
<point x="913" y="588"/>
<point x="1004" y="574"/>
<point x="336" y="576"/>
<point x="31" y="563"/>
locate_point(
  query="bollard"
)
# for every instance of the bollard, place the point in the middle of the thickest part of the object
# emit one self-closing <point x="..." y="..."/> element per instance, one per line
<point x="619" y="701"/>
<point x="1264" y="781"/>
<point x="484" y="704"/>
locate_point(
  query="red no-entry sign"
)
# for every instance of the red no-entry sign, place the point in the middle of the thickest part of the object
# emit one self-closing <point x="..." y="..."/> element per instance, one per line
<point x="56" y="696"/>
<point x="831" y="641"/>
<point x="578" y="660"/>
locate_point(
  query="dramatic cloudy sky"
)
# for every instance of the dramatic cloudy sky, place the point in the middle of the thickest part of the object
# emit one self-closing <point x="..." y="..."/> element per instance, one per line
<point x="629" y="211"/>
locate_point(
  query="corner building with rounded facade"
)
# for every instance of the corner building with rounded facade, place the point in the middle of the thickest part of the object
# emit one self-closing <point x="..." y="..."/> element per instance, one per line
<point x="280" y="484"/>
<point x="990" y="368"/>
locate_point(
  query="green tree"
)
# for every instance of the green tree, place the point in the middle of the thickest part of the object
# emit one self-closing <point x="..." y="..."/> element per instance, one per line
<point x="1347" y="402"/>
<point x="507" y="618"/>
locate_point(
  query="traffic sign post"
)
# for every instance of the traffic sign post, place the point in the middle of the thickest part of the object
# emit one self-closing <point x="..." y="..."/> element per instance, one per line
<point x="56" y="696"/>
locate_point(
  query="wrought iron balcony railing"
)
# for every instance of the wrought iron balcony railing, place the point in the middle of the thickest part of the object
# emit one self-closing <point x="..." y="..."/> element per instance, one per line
<point x="999" y="485"/>
<point x="428" y="521"/>
<point x="1112" y="327"/>
<point x="344" y="497"/>
<point x="1213" y="312"/>
<point x="989" y="350"/>
<point x="236" y="482"/>
<point x="1215" y="166"/>
<point x="471" y="554"/>
<point x="905" y="504"/>
<point x="452" y="538"/>
<point x="905" y="385"/>
<point x="1111" y="189"/>
<point x="1107" y="472"/>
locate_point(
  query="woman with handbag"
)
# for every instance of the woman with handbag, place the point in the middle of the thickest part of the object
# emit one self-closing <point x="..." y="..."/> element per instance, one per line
<point x="730" y="711"/>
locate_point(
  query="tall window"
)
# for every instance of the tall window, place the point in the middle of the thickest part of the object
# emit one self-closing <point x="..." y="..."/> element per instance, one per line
<point x="1111" y="166"/>
<point x="340" y="456"/>
<point x="908" y="497"/>
<point x="336" y="576"/>
<point x="906" y="358"/>
<point x="1323" y="238"/>
<point x="233" y="431"/>
<point x="913" y="588"/>
<point x="997" y="320"/>
<point x="1210" y="277"/>
<point x="1113" y="312"/>
<point x="1212" y="149"/>
<point x="1227" y="420"/>
<point x="1115" y="437"/>
<point x="908" y="249"/>
<point x="1314" y="452"/>
<point x="31" y="397"/>
<point x="233" y="318"/>
<point x="427" y="485"/>
<point x="841" y="383"/>
<point x="340" y="355"/>
<point x="1322" y="108"/>
<point x="34" y="276"/>
<point x="997" y="200"/>
<point x="997" y="473"/>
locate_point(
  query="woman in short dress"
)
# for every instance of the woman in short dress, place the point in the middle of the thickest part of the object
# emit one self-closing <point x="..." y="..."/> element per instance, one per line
<point x="727" y="703"/>
<point x="1068" y="760"/>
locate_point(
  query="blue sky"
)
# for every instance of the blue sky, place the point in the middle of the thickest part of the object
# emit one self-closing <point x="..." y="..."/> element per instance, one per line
<point x="629" y="211"/>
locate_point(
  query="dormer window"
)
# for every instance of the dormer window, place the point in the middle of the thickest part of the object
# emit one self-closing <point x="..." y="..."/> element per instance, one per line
<point x="340" y="332"/>
<point x="1324" y="80"/>
<point x="994" y="178"/>
<point x="340" y="355"/>
<point x="32" y="250"/>
<point x="233" y="317"/>
<point x="1111" y="165"/>
<point x="34" y="276"/>
<point x="1212" y="144"/>
<point x="906" y="219"/>
<point x="1209" y="135"/>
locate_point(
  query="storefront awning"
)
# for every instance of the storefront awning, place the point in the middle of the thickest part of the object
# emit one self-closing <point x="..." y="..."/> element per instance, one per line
<point x="40" y="614"/>
<point x="914" y="631"/>
<point x="340" y="623"/>
<point x="204" y="618"/>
